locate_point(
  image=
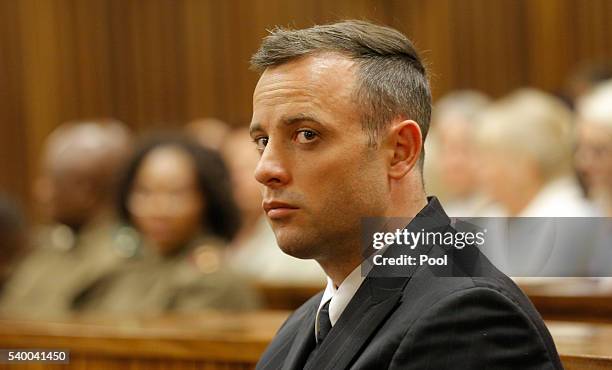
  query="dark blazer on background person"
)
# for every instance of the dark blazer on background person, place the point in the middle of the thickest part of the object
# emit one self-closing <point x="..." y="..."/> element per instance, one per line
<point x="477" y="319"/>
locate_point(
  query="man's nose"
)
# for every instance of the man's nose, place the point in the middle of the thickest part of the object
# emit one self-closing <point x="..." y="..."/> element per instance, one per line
<point x="271" y="171"/>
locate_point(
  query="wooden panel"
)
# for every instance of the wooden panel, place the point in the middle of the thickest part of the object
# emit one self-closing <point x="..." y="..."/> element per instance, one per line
<point x="570" y="299"/>
<point x="220" y="341"/>
<point x="162" y="62"/>
<point x="429" y="25"/>
<point x="205" y="341"/>
<point x="597" y="308"/>
<point x="13" y="151"/>
<point x="586" y="363"/>
<point x="582" y="346"/>
<point x="80" y="362"/>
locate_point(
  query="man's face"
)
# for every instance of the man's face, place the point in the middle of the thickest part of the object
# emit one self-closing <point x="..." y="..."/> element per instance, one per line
<point x="319" y="175"/>
<point x="594" y="156"/>
<point x="67" y="191"/>
<point x="165" y="201"/>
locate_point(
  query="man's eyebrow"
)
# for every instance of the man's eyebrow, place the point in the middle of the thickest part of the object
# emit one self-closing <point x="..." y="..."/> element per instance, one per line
<point x="300" y="117"/>
<point x="254" y="127"/>
<point x="286" y="121"/>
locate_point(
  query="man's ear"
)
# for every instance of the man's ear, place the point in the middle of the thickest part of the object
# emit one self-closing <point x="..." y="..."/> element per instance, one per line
<point x="405" y="145"/>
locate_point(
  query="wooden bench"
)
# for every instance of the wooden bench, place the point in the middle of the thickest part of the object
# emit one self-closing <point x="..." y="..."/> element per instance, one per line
<point x="583" y="346"/>
<point x="216" y="341"/>
<point x="209" y="341"/>
<point x="570" y="299"/>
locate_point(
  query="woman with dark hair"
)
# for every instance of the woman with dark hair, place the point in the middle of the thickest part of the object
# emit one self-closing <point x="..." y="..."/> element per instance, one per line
<point x="177" y="196"/>
<point x="174" y="189"/>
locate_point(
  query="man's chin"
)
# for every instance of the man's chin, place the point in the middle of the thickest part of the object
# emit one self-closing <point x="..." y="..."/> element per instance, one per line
<point x="295" y="246"/>
<point x="298" y="252"/>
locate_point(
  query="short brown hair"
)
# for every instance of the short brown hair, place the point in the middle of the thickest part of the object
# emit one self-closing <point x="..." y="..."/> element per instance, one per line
<point x="391" y="82"/>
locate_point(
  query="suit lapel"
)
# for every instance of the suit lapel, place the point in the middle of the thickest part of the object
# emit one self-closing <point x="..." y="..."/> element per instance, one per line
<point x="372" y="304"/>
<point x="303" y="342"/>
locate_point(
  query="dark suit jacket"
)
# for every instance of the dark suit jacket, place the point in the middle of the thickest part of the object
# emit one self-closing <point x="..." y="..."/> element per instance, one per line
<point x="477" y="319"/>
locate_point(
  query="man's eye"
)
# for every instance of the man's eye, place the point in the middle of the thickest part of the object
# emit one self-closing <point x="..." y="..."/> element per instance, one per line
<point x="261" y="143"/>
<point x="306" y="136"/>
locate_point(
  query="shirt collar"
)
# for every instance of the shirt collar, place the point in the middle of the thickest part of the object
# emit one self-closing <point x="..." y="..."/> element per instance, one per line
<point x="340" y="296"/>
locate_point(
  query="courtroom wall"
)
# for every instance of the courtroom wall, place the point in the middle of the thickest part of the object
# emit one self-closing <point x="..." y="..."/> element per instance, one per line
<point x="163" y="62"/>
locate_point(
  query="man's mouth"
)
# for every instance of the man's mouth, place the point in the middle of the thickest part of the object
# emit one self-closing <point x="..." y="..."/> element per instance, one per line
<point x="276" y="209"/>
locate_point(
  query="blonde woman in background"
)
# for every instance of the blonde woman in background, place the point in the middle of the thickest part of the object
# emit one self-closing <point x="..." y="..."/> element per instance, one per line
<point x="525" y="144"/>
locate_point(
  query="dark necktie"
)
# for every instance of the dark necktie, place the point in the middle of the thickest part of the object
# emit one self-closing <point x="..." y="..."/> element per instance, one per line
<point x="324" y="328"/>
<point x="324" y="323"/>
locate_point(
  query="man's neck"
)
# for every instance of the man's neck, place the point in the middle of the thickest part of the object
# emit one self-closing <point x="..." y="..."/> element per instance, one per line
<point x="337" y="270"/>
<point x="339" y="266"/>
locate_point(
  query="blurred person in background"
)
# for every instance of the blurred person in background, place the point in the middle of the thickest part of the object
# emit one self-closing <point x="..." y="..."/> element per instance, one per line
<point x="177" y="195"/>
<point x="13" y="240"/>
<point x="585" y="78"/>
<point x="209" y="132"/>
<point x="453" y="122"/>
<point x="79" y="168"/>
<point x="581" y="83"/>
<point x="594" y="163"/>
<point x="254" y="251"/>
<point x="594" y="150"/>
<point x="80" y="238"/>
<point x="525" y="145"/>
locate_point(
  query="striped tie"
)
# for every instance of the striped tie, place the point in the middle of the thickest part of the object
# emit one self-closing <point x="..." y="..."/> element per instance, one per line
<point x="324" y="322"/>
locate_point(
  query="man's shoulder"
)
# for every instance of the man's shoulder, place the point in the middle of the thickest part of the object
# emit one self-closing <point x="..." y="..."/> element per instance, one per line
<point x="427" y="292"/>
<point x="447" y="315"/>
<point x="484" y="298"/>
<point x="480" y="277"/>
<point x="473" y="314"/>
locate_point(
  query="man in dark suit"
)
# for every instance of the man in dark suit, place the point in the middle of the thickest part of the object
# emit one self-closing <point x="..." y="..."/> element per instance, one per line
<point x="340" y="115"/>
